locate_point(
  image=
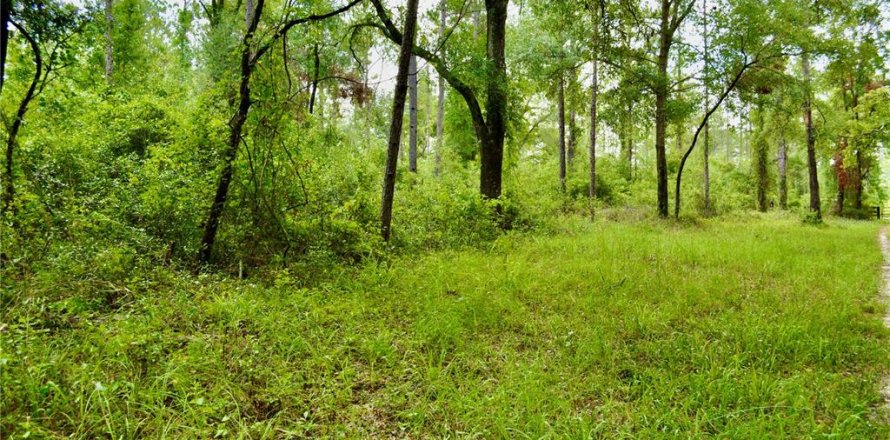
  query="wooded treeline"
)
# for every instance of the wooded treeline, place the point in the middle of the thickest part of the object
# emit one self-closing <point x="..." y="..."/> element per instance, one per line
<point x="254" y="131"/>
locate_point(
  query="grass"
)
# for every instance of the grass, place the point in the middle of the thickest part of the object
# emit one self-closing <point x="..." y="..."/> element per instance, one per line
<point x="747" y="329"/>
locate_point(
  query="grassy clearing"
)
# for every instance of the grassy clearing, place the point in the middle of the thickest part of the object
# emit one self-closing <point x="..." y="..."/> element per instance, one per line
<point x="748" y="329"/>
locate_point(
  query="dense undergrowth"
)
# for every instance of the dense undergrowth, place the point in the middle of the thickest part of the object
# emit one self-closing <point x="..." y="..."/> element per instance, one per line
<point x="745" y="328"/>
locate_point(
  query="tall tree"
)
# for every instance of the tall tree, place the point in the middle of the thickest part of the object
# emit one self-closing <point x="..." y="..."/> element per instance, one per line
<point x="673" y="13"/>
<point x="398" y="113"/>
<point x="815" y="200"/>
<point x="561" y="122"/>
<point x="251" y="53"/>
<point x="490" y="126"/>
<point x="47" y="28"/>
<point x="412" y="114"/>
<point x="440" y="107"/>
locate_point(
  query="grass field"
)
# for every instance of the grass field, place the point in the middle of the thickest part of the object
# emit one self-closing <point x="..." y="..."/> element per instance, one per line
<point x="747" y="329"/>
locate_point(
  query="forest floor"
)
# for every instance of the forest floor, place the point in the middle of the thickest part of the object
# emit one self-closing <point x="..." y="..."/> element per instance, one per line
<point x="749" y="328"/>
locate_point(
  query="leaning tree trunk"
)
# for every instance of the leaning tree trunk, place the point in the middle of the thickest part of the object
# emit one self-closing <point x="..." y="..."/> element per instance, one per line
<point x="857" y="181"/>
<point x="492" y="150"/>
<point x="316" y="63"/>
<point x="11" y="139"/>
<point x="561" y="144"/>
<point x="815" y="201"/>
<point x="412" y="109"/>
<point x="398" y="113"/>
<point x="236" y="125"/>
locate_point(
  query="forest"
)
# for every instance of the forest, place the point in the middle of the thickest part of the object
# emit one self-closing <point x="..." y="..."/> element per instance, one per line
<point x="444" y="219"/>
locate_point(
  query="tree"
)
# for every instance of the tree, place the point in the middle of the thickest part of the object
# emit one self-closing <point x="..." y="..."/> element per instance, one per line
<point x="398" y="112"/>
<point x="47" y="27"/>
<point x="412" y="127"/>
<point x="251" y="52"/>
<point x="491" y="126"/>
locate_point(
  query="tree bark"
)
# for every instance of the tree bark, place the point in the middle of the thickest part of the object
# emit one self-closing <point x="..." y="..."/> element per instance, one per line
<point x="782" y="161"/>
<point x="760" y="161"/>
<point x="815" y="200"/>
<point x="398" y="113"/>
<point x="492" y="152"/>
<point x="706" y="165"/>
<point x="440" y="114"/>
<point x="571" y="137"/>
<point x="412" y="127"/>
<point x="9" y="188"/>
<point x="561" y="120"/>
<point x="316" y="63"/>
<point x="594" y="94"/>
<point x="661" y="96"/>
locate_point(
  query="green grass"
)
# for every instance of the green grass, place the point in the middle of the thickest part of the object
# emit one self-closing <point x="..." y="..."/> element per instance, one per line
<point x="747" y="329"/>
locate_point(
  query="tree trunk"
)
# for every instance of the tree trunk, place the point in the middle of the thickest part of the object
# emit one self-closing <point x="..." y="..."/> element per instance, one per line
<point x="570" y="145"/>
<point x="706" y="166"/>
<point x="316" y="62"/>
<point x="109" y="42"/>
<point x="857" y="182"/>
<point x="561" y="119"/>
<point x="440" y="116"/>
<point x="594" y="95"/>
<point x="815" y="201"/>
<point x="492" y="151"/>
<point x="398" y="112"/>
<point x="476" y="21"/>
<point x="211" y="225"/>
<point x="9" y="188"/>
<point x="412" y="127"/>
<point x="760" y="161"/>
<point x="661" y="96"/>
<point x="782" y="160"/>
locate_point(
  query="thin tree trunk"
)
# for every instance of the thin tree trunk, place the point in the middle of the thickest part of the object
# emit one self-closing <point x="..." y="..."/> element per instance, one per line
<point x="316" y="62"/>
<point x="815" y="201"/>
<point x="9" y="188"/>
<point x="706" y="171"/>
<point x="594" y="94"/>
<point x="857" y="182"/>
<point x="760" y="160"/>
<point x="440" y="115"/>
<point x="109" y="42"/>
<point x="561" y="119"/>
<point x="570" y="141"/>
<point x="783" y="173"/>
<point x="398" y="112"/>
<point x="412" y="127"/>
<point x="476" y="21"/>
<point x="211" y="225"/>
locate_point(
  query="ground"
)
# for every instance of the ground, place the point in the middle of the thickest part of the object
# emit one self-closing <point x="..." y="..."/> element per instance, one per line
<point x="745" y="328"/>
